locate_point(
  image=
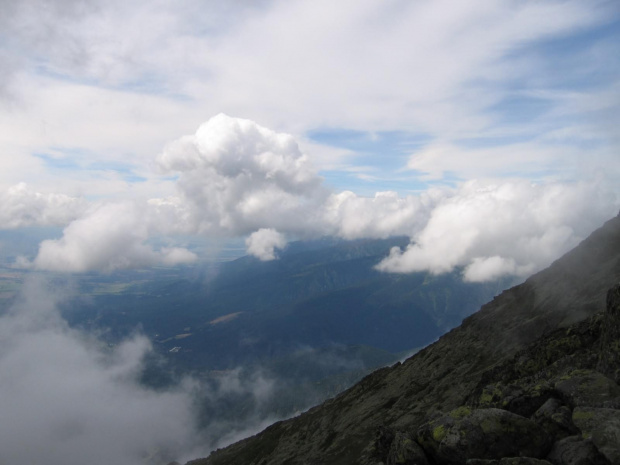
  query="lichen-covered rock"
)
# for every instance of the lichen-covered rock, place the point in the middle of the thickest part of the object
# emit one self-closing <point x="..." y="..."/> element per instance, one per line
<point x="522" y="399"/>
<point x="586" y="388"/>
<point x="574" y="450"/>
<point x="556" y="419"/>
<point x="482" y="433"/>
<point x="405" y="451"/>
<point x="602" y="426"/>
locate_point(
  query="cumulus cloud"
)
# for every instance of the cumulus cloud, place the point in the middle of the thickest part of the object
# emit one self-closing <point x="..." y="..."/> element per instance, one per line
<point x="238" y="177"/>
<point x="351" y="216"/>
<point x="21" y="206"/>
<point x="108" y="237"/>
<point x="71" y="399"/>
<point x="508" y="228"/>
<point x="262" y="243"/>
<point x="235" y="178"/>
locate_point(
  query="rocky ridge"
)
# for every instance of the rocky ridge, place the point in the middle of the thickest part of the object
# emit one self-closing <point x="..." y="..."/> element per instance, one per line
<point x="531" y="378"/>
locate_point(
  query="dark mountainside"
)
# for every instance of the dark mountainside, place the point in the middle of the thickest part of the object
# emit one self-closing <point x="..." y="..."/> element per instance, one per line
<point x="534" y="374"/>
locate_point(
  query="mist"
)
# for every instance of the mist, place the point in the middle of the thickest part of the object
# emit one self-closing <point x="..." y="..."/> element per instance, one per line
<point x="68" y="398"/>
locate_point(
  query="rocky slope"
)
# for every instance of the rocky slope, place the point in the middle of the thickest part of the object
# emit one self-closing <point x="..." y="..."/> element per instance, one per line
<point x="533" y="374"/>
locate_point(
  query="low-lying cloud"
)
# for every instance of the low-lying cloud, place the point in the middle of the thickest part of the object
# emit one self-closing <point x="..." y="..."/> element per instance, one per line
<point x="264" y="242"/>
<point x="512" y="228"/>
<point x="236" y="178"/>
<point x="67" y="398"/>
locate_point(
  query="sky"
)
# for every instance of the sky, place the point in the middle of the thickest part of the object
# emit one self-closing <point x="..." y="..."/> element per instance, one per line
<point x="136" y="134"/>
<point x="487" y="133"/>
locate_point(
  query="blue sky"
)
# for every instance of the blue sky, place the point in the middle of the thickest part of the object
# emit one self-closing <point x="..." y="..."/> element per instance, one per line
<point x="415" y="98"/>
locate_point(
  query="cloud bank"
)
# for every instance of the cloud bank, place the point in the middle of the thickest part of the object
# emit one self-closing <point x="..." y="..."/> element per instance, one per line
<point x="108" y="237"/>
<point x="235" y="178"/>
<point x="20" y="206"/>
<point x="512" y="228"/>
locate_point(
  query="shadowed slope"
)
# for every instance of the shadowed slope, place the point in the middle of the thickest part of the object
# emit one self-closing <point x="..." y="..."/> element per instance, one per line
<point x="439" y="378"/>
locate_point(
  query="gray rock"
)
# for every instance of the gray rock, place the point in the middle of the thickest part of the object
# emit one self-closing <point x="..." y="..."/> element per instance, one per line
<point x="586" y="388"/>
<point x="523" y="400"/>
<point x="574" y="450"/>
<point x="405" y="451"/>
<point x="602" y="426"/>
<point x="483" y="433"/>
<point x="556" y="419"/>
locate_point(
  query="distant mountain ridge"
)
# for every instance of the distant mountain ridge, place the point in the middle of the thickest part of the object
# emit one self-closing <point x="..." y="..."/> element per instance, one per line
<point x="529" y="360"/>
<point x="309" y="324"/>
<point x="317" y="294"/>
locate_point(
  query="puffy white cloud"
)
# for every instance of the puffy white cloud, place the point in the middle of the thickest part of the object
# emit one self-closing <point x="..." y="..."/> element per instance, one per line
<point x="386" y="214"/>
<point x="489" y="268"/>
<point x="237" y="177"/>
<point x="21" y="206"/>
<point x="262" y="243"/>
<point x="509" y="228"/>
<point x="108" y="237"/>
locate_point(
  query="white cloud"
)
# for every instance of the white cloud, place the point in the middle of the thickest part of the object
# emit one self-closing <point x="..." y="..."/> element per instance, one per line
<point x="531" y="160"/>
<point x="386" y="214"/>
<point x="353" y="53"/>
<point x="328" y="65"/>
<point x="73" y="398"/>
<point x="108" y="237"/>
<point x="237" y="177"/>
<point x="489" y="268"/>
<point x="20" y="206"/>
<point x="70" y="398"/>
<point x="512" y="228"/>
<point x="262" y="243"/>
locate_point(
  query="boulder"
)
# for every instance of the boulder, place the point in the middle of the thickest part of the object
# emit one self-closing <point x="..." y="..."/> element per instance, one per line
<point x="602" y="426"/>
<point x="574" y="450"/>
<point x="520" y="398"/>
<point x="405" y="451"/>
<point x="482" y="433"/>
<point x="556" y="419"/>
<point x="586" y="388"/>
